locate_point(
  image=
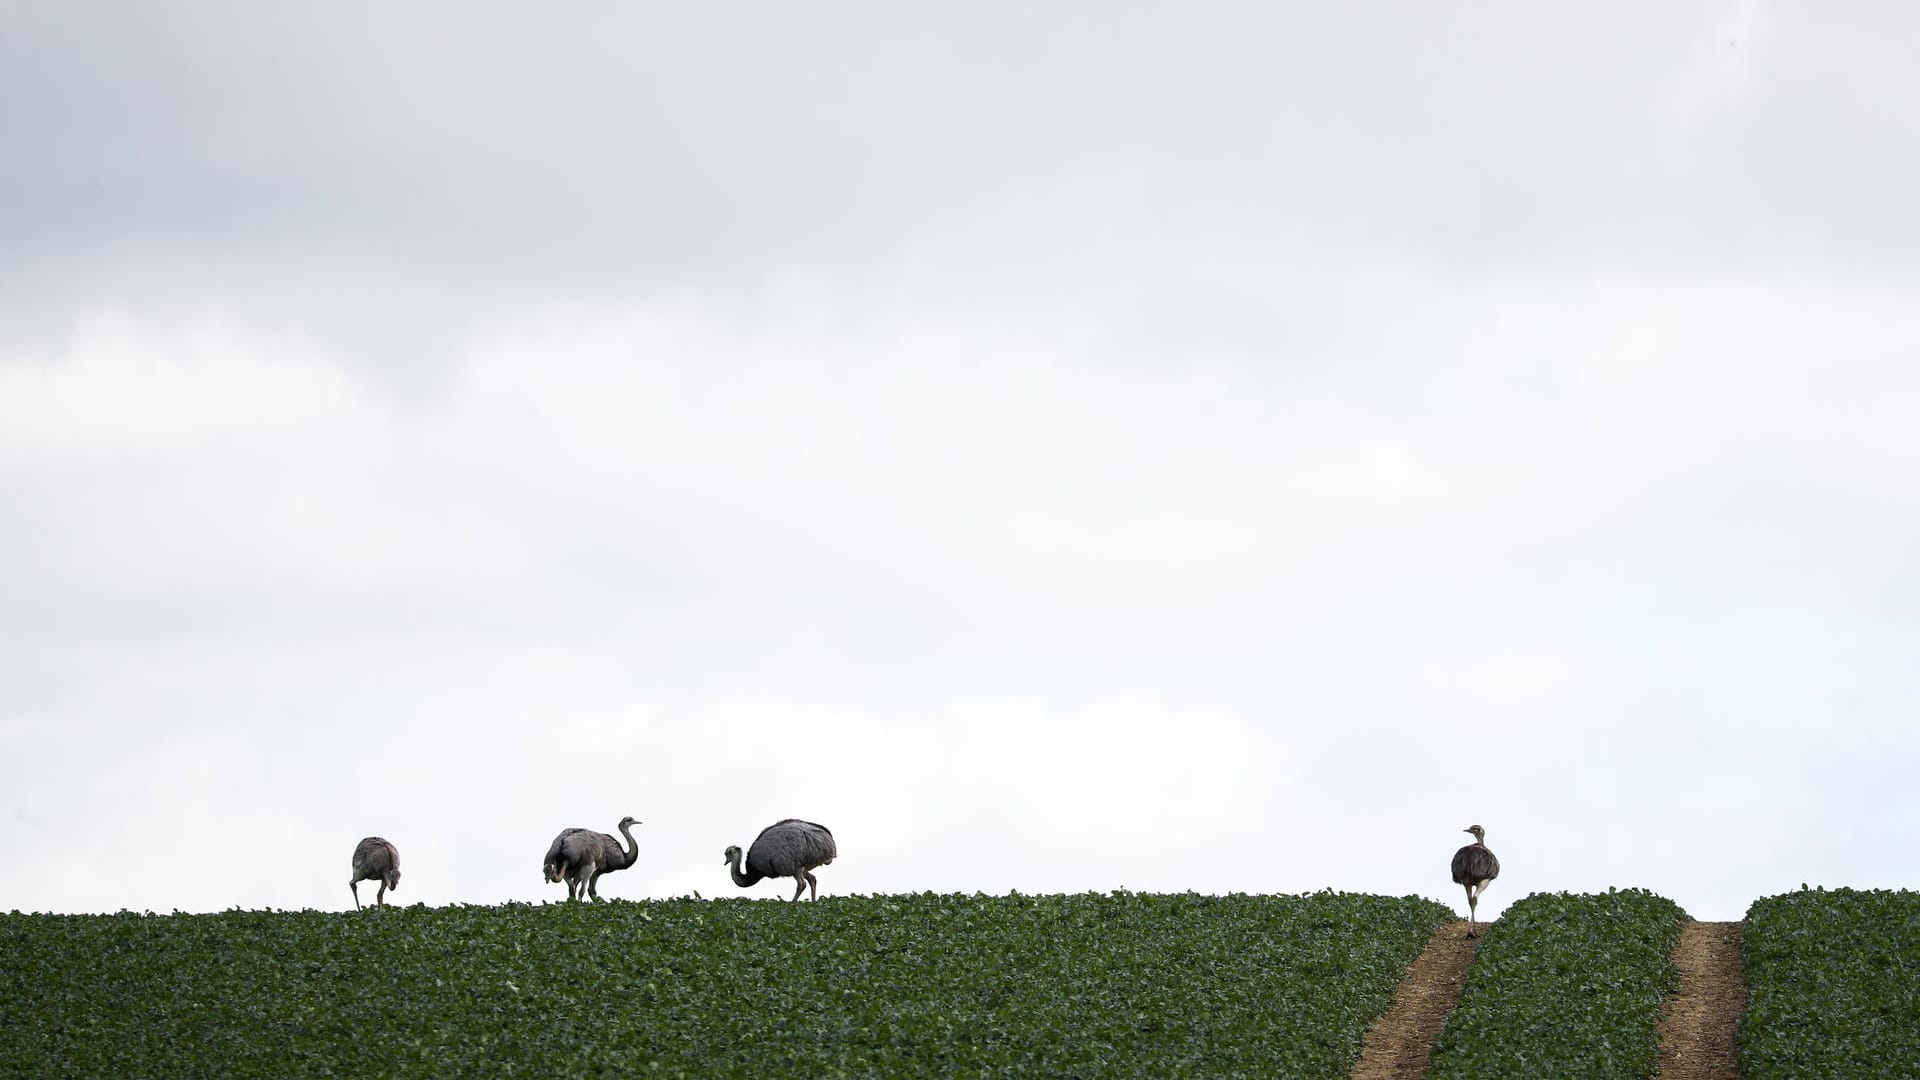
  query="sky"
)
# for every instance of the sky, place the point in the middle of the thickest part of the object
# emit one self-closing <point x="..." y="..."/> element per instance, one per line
<point x="1070" y="448"/>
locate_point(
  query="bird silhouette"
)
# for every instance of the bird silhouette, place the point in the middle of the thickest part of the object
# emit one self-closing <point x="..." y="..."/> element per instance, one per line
<point x="1473" y="867"/>
<point x="375" y="859"/>
<point x="580" y="856"/>
<point x="790" y="848"/>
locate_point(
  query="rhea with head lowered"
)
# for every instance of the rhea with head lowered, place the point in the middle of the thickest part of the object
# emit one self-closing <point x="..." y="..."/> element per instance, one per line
<point x="790" y="848"/>
<point x="580" y="856"/>
<point x="1473" y="867"/>
<point x="375" y="859"/>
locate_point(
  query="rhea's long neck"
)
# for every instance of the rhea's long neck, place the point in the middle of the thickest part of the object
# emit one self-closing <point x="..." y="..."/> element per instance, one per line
<point x="740" y="879"/>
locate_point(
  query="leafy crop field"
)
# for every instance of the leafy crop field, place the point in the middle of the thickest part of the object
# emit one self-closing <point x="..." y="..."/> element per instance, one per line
<point x="1088" y="985"/>
<point x="1835" y="984"/>
<point x="1565" y="986"/>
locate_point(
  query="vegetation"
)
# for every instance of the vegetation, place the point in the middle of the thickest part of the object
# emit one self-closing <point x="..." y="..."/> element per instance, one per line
<point x="1565" y="986"/>
<point x="1835" y="984"/>
<point x="1088" y="985"/>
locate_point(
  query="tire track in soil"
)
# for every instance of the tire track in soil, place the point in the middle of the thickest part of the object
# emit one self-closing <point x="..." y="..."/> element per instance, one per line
<point x="1398" y="1046"/>
<point x="1698" y="1027"/>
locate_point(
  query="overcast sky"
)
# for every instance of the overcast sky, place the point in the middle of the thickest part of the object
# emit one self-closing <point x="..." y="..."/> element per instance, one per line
<point x="1059" y="448"/>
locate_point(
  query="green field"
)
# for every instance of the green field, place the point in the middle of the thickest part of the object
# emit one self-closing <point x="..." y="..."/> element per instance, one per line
<point x="1565" y="986"/>
<point x="1086" y="985"/>
<point x="1835" y="984"/>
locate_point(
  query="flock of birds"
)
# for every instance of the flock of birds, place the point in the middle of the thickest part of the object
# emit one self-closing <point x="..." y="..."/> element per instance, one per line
<point x="790" y="848"/>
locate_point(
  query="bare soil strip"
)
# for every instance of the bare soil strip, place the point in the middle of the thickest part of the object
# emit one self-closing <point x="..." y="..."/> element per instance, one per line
<point x="1697" y="1031"/>
<point x="1400" y="1043"/>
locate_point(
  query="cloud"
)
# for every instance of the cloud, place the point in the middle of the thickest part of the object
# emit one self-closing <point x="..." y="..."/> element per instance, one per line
<point x="361" y="180"/>
<point x="1230" y="453"/>
<point x="1722" y="68"/>
<point x="1004" y="615"/>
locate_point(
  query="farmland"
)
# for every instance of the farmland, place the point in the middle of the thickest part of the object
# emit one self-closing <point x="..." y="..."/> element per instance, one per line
<point x="1566" y="986"/>
<point x="1117" y="984"/>
<point x="1835" y="982"/>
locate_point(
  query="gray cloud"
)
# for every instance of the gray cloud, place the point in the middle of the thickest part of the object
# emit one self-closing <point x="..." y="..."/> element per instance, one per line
<point x="648" y="148"/>
<point x="1059" y="450"/>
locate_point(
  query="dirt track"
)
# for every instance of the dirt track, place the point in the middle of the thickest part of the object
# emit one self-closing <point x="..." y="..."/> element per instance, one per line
<point x="1400" y="1044"/>
<point x="1696" y="1030"/>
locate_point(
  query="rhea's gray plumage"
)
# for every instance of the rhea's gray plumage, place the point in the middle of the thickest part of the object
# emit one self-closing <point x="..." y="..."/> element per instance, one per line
<point x="580" y="856"/>
<point x="375" y="859"/>
<point x="790" y="848"/>
<point x="1473" y="867"/>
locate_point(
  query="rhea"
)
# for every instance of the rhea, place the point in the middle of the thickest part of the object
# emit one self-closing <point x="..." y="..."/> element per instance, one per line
<point x="374" y="859"/>
<point x="790" y="848"/>
<point x="1473" y="867"/>
<point x="580" y="856"/>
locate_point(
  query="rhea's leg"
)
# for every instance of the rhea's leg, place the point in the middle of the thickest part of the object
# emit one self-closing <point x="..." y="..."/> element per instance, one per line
<point x="813" y="886"/>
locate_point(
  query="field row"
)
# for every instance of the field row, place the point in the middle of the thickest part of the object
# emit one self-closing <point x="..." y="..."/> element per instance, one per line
<point x="1089" y="985"/>
<point x="1109" y="985"/>
<point x="1565" y="986"/>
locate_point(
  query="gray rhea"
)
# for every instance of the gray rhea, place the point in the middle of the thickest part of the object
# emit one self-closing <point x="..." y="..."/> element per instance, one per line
<point x="1473" y="867"/>
<point x="580" y="856"/>
<point x="375" y="859"/>
<point x="790" y="848"/>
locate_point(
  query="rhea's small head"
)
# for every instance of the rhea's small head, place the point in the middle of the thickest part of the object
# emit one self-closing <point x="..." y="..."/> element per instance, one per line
<point x="552" y="871"/>
<point x="1479" y="834"/>
<point x="393" y="879"/>
<point x="629" y="820"/>
<point x="733" y="853"/>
